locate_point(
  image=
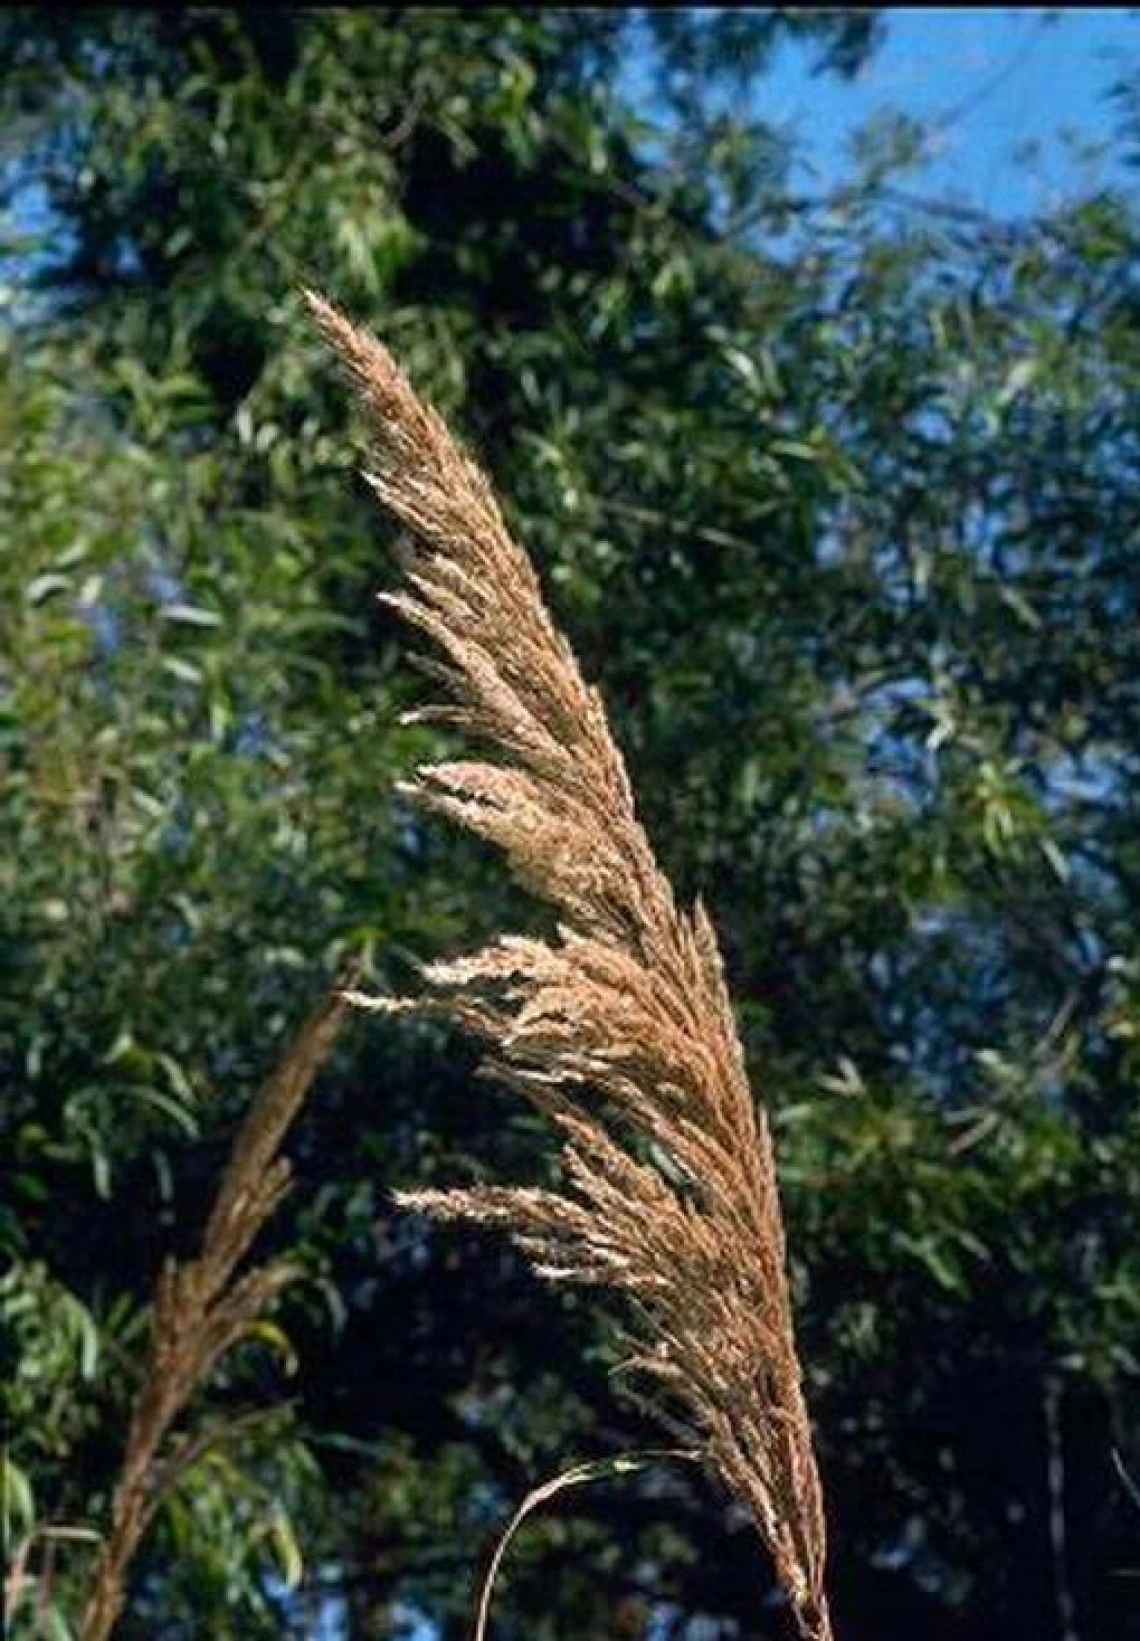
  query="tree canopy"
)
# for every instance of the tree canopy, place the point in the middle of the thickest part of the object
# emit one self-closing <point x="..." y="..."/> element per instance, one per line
<point x="838" y="498"/>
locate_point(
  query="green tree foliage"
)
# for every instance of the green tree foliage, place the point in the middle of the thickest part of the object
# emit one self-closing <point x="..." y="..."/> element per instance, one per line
<point x="838" y="500"/>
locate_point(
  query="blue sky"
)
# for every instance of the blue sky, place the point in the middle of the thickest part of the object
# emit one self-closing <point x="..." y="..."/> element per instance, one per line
<point x="1004" y="78"/>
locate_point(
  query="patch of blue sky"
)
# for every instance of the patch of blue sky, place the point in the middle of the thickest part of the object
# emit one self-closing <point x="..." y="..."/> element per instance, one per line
<point x="1016" y="103"/>
<point x="1017" y="99"/>
<point x="331" y="1619"/>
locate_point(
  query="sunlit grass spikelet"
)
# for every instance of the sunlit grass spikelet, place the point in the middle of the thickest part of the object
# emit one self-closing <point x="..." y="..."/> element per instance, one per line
<point x="621" y="1029"/>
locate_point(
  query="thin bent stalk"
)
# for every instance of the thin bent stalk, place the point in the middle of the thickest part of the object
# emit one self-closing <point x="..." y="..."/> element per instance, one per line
<point x="200" y="1310"/>
<point x="620" y="1029"/>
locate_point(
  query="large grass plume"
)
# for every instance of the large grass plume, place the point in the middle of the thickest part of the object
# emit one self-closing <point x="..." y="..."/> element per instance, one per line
<point x="620" y="1029"/>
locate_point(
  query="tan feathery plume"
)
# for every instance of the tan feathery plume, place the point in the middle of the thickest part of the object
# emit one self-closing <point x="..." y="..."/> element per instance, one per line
<point x="621" y="1029"/>
<point x="201" y="1309"/>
